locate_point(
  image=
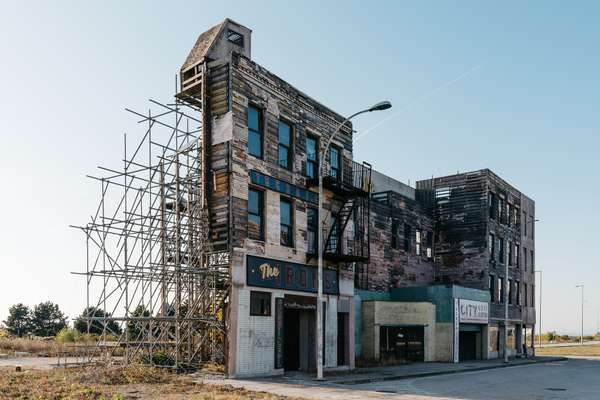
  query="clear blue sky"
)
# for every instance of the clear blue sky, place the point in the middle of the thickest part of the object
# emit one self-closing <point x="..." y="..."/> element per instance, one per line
<point x="526" y="106"/>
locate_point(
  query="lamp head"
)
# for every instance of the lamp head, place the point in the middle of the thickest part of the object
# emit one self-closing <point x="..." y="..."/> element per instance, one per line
<point x="384" y="105"/>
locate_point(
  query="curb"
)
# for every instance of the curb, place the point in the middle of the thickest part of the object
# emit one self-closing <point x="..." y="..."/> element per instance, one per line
<point x="448" y="372"/>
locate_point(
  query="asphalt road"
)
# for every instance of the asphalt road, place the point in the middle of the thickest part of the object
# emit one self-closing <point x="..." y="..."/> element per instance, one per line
<point x="576" y="378"/>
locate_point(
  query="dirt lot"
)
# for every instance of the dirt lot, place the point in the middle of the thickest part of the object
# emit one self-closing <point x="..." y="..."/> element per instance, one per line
<point x="575" y="350"/>
<point x="132" y="382"/>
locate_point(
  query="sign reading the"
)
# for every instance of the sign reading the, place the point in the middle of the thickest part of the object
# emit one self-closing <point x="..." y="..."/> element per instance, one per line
<point x="266" y="272"/>
<point x="473" y="312"/>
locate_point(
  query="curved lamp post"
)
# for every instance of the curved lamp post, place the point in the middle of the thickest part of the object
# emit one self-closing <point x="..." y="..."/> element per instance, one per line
<point x="384" y="105"/>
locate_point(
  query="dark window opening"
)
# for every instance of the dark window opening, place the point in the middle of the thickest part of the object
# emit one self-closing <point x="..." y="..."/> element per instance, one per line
<point x="407" y="231"/>
<point x="312" y="226"/>
<point x="312" y="157"/>
<point x="260" y="303"/>
<point x="255" y="132"/>
<point x="492" y="288"/>
<point x="395" y="226"/>
<point x="255" y="214"/>
<point x="510" y="291"/>
<point x="501" y="290"/>
<point x="286" y="223"/>
<point x="235" y="38"/>
<point x="285" y="145"/>
<point x="518" y="292"/>
<point x="501" y="251"/>
<point x="401" y="344"/>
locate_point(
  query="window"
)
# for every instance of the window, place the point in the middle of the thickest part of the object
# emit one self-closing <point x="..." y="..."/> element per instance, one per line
<point x="312" y="223"/>
<point x="255" y="214"/>
<point x="286" y="223"/>
<point x="510" y="254"/>
<point x="532" y="259"/>
<point x="255" y="132"/>
<point x="235" y="38"/>
<point x="501" y="251"/>
<point x="285" y="145"/>
<point x="510" y="291"/>
<point x="525" y="258"/>
<point x="500" y="290"/>
<point x="492" y="204"/>
<point x="492" y="286"/>
<point x="407" y="231"/>
<point x="532" y="296"/>
<point x="312" y="157"/>
<point x="260" y="303"/>
<point x="429" y="244"/>
<point x="395" y="226"/>
<point x="418" y="241"/>
<point x="517" y="253"/>
<point x="334" y="159"/>
<point x="525" y="224"/>
<point x="525" y="295"/>
<point x="334" y="236"/>
<point x="532" y="227"/>
<point x="518" y="290"/>
<point x="492" y="246"/>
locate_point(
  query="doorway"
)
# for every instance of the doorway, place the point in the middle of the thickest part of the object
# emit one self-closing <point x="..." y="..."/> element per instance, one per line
<point x="467" y="346"/>
<point x="299" y="341"/>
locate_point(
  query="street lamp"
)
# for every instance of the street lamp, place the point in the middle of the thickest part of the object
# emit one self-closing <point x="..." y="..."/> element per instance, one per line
<point x="581" y="286"/>
<point x="540" y="305"/>
<point x="384" y="105"/>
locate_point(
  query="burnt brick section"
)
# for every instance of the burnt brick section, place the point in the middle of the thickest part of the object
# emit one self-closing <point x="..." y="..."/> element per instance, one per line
<point x="394" y="262"/>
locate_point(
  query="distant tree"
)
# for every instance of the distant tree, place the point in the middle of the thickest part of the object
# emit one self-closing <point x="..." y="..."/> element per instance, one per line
<point x="47" y="319"/>
<point x="96" y="325"/>
<point x="19" y="320"/>
<point x="137" y="330"/>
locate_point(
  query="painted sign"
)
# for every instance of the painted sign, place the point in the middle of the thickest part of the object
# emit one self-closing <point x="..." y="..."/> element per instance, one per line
<point x="473" y="312"/>
<point x="279" y="332"/>
<point x="275" y="274"/>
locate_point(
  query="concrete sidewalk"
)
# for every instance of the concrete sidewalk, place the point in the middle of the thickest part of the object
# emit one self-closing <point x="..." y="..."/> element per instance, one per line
<point x="418" y="370"/>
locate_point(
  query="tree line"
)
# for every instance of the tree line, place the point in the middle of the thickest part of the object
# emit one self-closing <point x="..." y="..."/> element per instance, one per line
<point x="46" y="319"/>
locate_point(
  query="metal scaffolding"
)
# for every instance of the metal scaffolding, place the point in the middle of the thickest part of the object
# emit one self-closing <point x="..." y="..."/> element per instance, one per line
<point x="154" y="284"/>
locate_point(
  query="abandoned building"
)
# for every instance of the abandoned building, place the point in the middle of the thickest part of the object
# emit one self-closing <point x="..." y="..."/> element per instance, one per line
<point x="228" y="221"/>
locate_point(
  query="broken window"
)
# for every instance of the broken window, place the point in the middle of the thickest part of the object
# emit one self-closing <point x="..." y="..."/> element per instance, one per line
<point x="395" y="228"/>
<point x="312" y="223"/>
<point x="518" y="290"/>
<point x="492" y="285"/>
<point x="510" y="289"/>
<point x="235" y="37"/>
<point x="260" y="303"/>
<point x="407" y="231"/>
<point x="501" y="250"/>
<point x="492" y="246"/>
<point x="285" y="145"/>
<point x="418" y="241"/>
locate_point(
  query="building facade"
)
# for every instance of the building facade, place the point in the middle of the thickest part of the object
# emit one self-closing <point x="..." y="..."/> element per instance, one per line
<point x="398" y="260"/>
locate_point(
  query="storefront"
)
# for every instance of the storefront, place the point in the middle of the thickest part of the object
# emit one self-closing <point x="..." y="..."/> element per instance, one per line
<point x="445" y="323"/>
<point x="276" y="318"/>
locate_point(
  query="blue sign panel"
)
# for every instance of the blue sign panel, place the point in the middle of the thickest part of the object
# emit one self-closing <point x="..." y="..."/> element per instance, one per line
<point x="280" y="186"/>
<point x="270" y="273"/>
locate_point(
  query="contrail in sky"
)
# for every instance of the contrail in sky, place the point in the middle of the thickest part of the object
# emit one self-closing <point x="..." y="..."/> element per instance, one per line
<point x="416" y="101"/>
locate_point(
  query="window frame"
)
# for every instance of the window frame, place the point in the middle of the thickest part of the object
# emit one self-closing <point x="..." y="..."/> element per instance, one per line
<point x="290" y="226"/>
<point x="407" y="237"/>
<point x="289" y="147"/>
<point x="264" y="305"/>
<point x="261" y="215"/>
<point x="260" y="132"/>
<point x="309" y="161"/>
<point x="312" y="228"/>
<point x="395" y="242"/>
<point x="338" y="174"/>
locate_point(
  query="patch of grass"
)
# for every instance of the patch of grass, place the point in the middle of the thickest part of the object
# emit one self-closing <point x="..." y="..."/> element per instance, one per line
<point x="115" y="383"/>
<point x="33" y="346"/>
<point x="592" y="350"/>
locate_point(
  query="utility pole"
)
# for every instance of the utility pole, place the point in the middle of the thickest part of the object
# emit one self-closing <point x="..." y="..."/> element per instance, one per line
<point x="581" y="286"/>
<point x="540" y="305"/>
<point x="506" y="261"/>
<point x="384" y="105"/>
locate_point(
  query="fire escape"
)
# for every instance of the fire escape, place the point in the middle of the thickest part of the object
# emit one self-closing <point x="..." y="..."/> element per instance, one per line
<point x="347" y="231"/>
